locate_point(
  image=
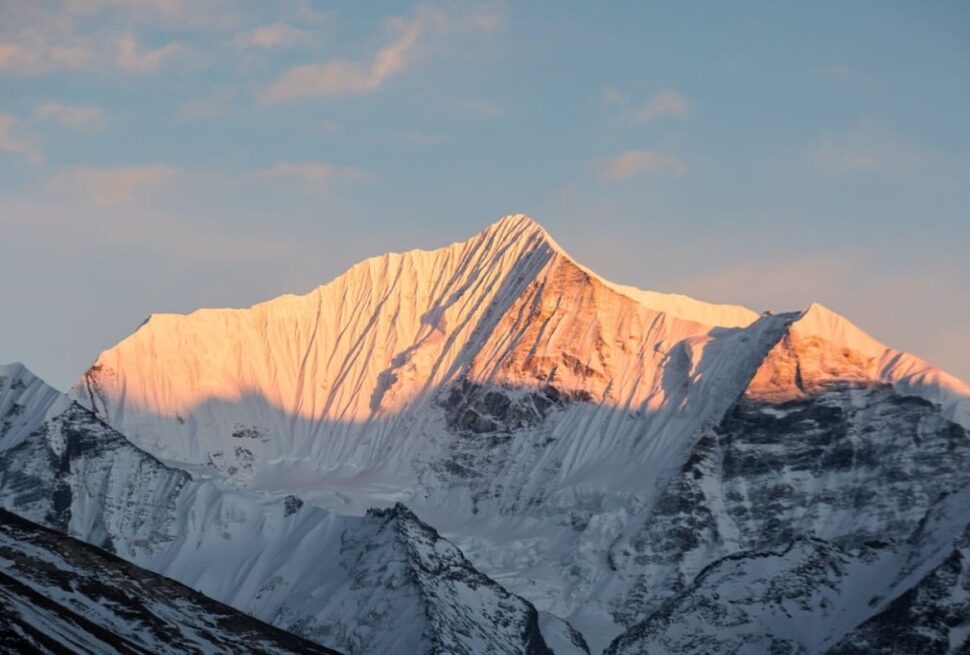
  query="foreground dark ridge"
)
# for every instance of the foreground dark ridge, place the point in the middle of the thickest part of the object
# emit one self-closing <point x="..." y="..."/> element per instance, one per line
<point x="60" y="595"/>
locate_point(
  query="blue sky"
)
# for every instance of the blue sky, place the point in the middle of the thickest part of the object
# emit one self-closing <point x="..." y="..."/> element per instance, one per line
<point x="156" y="155"/>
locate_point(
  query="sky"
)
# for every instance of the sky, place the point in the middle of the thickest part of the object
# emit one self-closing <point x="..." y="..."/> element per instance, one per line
<point x="166" y="155"/>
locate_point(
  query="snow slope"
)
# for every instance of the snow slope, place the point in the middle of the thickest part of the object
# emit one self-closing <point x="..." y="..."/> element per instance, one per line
<point x="380" y="583"/>
<point x="60" y="595"/>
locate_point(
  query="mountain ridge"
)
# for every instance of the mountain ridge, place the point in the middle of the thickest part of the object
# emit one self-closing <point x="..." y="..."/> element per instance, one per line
<point x="62" y="595"/>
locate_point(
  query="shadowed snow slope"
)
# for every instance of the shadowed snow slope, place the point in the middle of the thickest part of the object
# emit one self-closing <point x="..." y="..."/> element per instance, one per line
<point x="380" y="583"/>
<point x="548" y="421"/>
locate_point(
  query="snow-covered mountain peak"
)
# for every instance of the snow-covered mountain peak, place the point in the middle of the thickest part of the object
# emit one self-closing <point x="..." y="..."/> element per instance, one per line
<point x="15" y="373"/>
<point x="379" y="337"/>
<point x="822" y="348"/>
<point x="26" y="401"/>
<point x="519" y="226"/>
<point x="820" y="321"/>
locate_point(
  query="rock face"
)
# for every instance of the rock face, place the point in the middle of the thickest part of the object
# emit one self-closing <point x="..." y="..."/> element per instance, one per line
<point x="381" y="583"/>
<point x="625" y="460"/>
<point x="932" y="617"/>
<point x="812" y="597"/>
<point x="60" y="595"/>
<point x="818" y="482"/>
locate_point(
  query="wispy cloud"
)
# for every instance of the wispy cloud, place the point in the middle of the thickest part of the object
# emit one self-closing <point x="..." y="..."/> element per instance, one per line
<point x="215" y="104"/>
<point x="75" y="117"/>
<point x="314" y="172"/>
<point x="113" y="185"/>
<point x="40" y="53"/>
<point x="134" y="58"/>
<point x="635" y="163"/>
<point x="478" y="107"/>
<point x="35" y="42"/>
<point x="16" y="139"/>
<point x="867" y="148"/>
<point x="340" y="76"/>
<point x="847" y="75"/>
<point x="665" y="102"/>
<point x="410" y="38"/>
<point x="274" y="36"/>
<point x="91" y="35"/>
<point x="308" y="12"/>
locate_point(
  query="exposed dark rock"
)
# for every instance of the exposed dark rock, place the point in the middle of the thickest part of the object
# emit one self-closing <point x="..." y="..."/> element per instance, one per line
<point x="60" y="595"/>
<point x="291" y="505"/>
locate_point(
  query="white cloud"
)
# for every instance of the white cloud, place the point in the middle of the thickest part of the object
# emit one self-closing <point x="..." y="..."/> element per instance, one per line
<point x="35" y="41"/>
<point x="665" y="102"/>
<point x="39" y="52"/>
<point x="613" y="97"/>
<point x="75" y="117"/>
<point x="634" y="163"/>
<point x="38" y="38"/>
<point x="349" y="77"/>
<point x="22" y="59"/>
<point x="133" y="58"/>
<point x="274" y="36"/>
<point x="867" y="148"/>
<point x="314" y="172"/>
<point x="17" y="140"/>
<point x="340" y="76"/>
<point x="307" y="12"/>
<point x="112" y="185"/>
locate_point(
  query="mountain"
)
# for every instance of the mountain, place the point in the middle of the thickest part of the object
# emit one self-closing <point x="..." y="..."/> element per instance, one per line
<point x="592" y="447"/>
<point x="821" y="460"/>
<point x="380" y="583"/>
<point x="324" y="386"/>
<point x="60" y="595"/>
<point x="620" y="464"/>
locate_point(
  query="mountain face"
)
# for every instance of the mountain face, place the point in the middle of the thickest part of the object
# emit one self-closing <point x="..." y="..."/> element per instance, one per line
<point x="930" y="617"/>
<point x="380" y="583"/>
<point x="631" y="471"/>
<point x="60" y="595"/>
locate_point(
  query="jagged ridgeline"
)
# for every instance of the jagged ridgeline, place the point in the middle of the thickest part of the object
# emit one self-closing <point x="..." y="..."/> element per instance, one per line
<point x="566" y="464"/>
